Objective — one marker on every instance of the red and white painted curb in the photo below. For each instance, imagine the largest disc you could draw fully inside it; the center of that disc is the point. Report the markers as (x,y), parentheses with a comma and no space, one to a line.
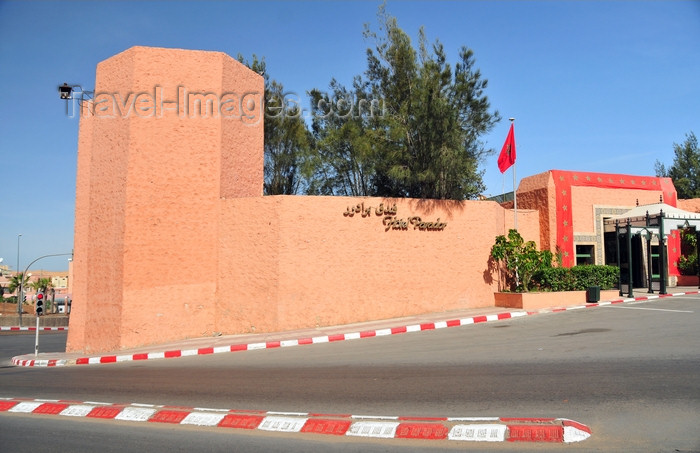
(31,329)
(480,429)
(268,344)
(18,361)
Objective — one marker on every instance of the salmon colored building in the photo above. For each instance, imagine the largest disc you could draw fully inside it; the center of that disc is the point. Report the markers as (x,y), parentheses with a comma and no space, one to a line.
(573,207)
(579,213)
(170,177)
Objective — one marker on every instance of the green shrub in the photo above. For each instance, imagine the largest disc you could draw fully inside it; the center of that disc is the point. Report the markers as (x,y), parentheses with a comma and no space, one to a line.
(577,278)
(688,265)
(688,261)
(554,279)
(520,258)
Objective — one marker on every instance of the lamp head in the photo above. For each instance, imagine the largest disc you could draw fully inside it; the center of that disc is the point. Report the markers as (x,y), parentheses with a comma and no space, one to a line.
(65,91)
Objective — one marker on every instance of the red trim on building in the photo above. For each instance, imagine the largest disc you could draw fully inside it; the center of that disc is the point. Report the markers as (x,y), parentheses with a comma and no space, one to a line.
(565,180)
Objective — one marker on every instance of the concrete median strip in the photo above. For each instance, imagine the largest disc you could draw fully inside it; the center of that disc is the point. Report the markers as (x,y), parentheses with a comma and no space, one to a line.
(29,360)
(465,429)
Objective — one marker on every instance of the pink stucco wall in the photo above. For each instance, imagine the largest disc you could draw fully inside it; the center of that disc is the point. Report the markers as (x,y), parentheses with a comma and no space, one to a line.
(173,238)
(691,205)
(538,192)
(79,265)
(291,261)
(586,199)
(151,171)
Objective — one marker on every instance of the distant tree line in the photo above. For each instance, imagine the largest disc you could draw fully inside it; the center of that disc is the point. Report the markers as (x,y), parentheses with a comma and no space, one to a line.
(685,170)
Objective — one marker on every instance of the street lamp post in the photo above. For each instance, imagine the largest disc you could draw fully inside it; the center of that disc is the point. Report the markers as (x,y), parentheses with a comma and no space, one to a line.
(19,291)
(36,344)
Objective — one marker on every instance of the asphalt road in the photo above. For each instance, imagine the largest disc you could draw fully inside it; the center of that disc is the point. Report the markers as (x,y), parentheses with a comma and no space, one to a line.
(628,371)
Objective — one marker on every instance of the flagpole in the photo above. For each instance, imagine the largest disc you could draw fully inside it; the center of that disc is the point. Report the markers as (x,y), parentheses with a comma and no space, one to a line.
(515,195)
(503,200)
(506,159)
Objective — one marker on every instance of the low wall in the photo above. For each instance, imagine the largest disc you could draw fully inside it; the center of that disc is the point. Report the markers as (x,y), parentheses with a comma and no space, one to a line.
(687,280)
(537,301)
(289,262)
(29,320)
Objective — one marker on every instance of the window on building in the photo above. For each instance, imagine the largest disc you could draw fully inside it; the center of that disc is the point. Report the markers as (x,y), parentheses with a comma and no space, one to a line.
(585,254)
(655,271)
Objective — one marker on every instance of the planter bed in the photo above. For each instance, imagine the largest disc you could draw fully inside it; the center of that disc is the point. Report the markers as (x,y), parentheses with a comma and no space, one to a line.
(687,280)
(535,301)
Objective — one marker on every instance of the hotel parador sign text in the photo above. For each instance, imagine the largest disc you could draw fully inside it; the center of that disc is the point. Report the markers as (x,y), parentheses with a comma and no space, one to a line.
(390,221)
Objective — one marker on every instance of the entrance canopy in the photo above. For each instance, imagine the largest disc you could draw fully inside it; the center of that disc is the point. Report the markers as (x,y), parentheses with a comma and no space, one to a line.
(650,220)
(656,215)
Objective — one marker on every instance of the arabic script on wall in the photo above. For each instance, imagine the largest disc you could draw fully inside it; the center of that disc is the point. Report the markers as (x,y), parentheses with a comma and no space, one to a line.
(391,221)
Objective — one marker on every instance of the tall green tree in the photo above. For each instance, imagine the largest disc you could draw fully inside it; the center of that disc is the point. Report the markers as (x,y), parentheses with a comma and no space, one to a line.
(685,171)
(424,139)
(343,126)
(287,140)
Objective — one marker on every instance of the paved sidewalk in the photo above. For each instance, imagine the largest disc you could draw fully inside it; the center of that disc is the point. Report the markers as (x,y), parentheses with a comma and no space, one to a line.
(253,341)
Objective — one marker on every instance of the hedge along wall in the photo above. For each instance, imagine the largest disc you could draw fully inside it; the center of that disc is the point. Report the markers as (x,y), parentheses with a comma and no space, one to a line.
(289,262)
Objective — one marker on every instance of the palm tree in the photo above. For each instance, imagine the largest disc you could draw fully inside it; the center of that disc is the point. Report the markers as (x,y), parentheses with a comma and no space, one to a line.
(41,284)
(16,281)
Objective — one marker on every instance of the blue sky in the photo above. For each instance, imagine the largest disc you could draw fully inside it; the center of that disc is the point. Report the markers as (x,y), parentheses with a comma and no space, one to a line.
(594,86)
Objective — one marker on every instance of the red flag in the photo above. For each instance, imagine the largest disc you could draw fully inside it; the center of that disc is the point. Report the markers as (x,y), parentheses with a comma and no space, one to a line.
(507,156)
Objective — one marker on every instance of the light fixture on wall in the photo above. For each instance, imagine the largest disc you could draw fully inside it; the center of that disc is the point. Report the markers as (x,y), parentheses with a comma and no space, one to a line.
(70,92)
(66,92)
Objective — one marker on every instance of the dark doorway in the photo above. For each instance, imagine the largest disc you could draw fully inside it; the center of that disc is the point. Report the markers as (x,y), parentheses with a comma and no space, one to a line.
(637,258)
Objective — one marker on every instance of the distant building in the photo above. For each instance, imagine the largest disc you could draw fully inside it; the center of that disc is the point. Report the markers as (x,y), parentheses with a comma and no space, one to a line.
(59,281)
